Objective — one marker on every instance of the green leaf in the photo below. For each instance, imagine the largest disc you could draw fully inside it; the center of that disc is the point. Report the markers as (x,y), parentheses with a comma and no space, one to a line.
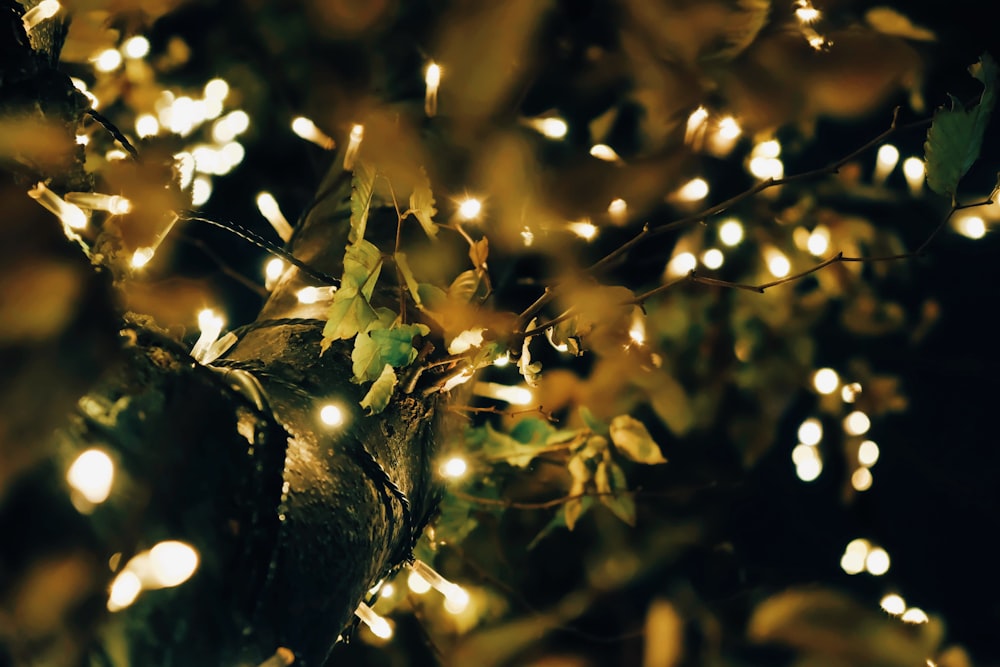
(573,510)
(559,521)
(381,390)
(633,440)
(380,346)
(956,134)
(422,205)
(592,422)
(502,447)
(362,188)
(350,312)
(366,360)
(362,266)
(530,371)
(467,286)
(411,282)
(610,482)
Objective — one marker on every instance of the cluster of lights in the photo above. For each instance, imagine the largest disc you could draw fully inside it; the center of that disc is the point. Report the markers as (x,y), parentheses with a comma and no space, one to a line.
(816,242)
(166,565)
(807,16)
(764,161)
(72,216)
(826,382)
(860,555)
(805,455)
(894,605)
(718,135)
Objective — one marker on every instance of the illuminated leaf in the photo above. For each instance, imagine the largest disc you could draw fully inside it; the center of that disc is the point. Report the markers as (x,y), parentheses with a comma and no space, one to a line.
(411,282)
(380,346)
(563,337)
(466,340)
(528,370)
(611,484)
(422,205)
(467,286)
(497,446)
(362,187)
(956,134)
(350,311)
(592,422)
(479,251)
(633,440)
(380,392)
(830,625)
(362,265)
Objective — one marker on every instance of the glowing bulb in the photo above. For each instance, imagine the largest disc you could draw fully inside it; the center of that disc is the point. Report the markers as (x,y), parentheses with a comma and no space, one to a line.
(617,209)
(268,207)
(767,149)
(694,190)
(306,129)
(141,257)
(201,190)
(868,453)
(273,271)
(91,475)
(810,431)
(353,145)
(432,77)
(114,204)
(501,392)
(971,226)
(849,392)
(819,241)
(712,258)
(777,263)
(82,139)
(331,415)
(124,590)
(44,10)
(454,467)
(456,599)
(470,208)
(378,625)
(135,47)
(861,479)
(809,470)
(801,454)
(502,360)
(893,604)
(682,264)
(885,161)
(552,127)
(913,170)
(605,153)
(211,326)
(172,563)
(852,563)
(877,561)
(417,584)
(696,123)
(729,129)
(216,89)
(146,125)
(806,13)
(826,381)
(231,126)
(184,164)
(915,615)
(637,331)
(71,216)
(766,167)
(387,591)
(108,60)
(857,423)
(584,229)
(731,232)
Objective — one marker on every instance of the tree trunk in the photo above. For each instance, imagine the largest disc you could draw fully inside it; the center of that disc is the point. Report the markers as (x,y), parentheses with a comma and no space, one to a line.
(294,520)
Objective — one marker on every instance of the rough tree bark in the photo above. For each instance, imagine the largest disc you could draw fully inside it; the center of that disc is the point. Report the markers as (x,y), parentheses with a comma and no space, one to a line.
(293,520)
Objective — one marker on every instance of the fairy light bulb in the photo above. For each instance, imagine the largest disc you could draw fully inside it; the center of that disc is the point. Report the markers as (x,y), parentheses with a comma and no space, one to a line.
(682,264)
(135,47)
(417,584)
(893,604)
(268,207)
(868,453)
(819,241)
(171,563)
(353,146)
(107,60)
(777,263)
(71,216)
(124,590)
(806,13)
(584,229)
(810,431)
(857,423)
(618,210)
(731,232)
(877,561)
(826,381)
(605,153)
(885,161)
(273,270)
(695,129)
(331,415)
(914,171)
(432,78)
(694,190)
(470,208)
(211,327)
(862,479)
(552,127)
(914,615)
(454,467)
(306,129)
(91,475)
(378,625)
(283,657)
(713,258)
(113,204)
(43,11)
(971,226)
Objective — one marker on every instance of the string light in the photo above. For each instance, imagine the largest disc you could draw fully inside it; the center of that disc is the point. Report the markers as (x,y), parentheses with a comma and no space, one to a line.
(135,47)
(853,560)
(469,208)
(306,129)
(310,295)
(141,257)
(971,226)
(862,479)
(857,423)
(915,615)
(849,392)
(913,170)
(273,270)
(826,381)
(210,325)
(268,207)
(91,475)
(810,431)
(232,125)
(810,467)
(819,241)
(378,625)
(694,190)
(877,561)
(695,130)
(44,10)
(171,563)
(712,258)
(146,125)
(551,127)
(605,153)
(637,329)
(108,60)
(766,167)
(777,262)
(618,209)
(456,598)
(584,229)
(432,77)
(805,12)
(868,453)
(893,604)
(71,216)
(682,264)
(331,415)
(501,392)
(417,584)
(216,89)
(885,161)
(731,232)
(115,155)
(353,146)
(114,204)
(454,467)
(124,590)
(502,360)
(201,190)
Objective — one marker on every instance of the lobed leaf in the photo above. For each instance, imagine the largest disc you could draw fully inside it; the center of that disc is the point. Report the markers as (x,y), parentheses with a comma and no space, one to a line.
(380,392)
(362,189)
(422,205)
(633,440)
